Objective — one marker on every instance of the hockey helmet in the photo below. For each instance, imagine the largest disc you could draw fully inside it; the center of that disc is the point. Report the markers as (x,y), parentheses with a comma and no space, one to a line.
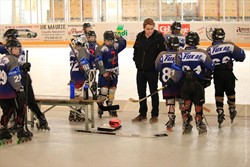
(79,40)
(218,34)
(172,43)
(11,33)
(109,35)
(91,33)
(86,25)
(175,26)
(115,122)
(192,38)
(13,43)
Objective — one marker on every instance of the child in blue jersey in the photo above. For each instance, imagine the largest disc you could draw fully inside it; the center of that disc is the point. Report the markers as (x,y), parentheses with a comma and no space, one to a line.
(176,31)
(223,54)
(92,45)
(107,82)
(163,64)
(79,73)
(191,66)
(11,34)
(12,96)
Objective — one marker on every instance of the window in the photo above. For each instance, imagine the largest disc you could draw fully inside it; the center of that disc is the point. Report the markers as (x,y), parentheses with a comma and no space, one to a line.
(130,10)
(171,10)
(191,10)
(149,8)
(58,11)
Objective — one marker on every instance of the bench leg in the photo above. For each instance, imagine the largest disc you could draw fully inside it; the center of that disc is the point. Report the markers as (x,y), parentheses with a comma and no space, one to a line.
(92,115)
(85,106)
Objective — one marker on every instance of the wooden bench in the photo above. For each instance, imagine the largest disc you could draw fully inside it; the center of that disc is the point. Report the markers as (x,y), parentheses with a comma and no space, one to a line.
(54,101)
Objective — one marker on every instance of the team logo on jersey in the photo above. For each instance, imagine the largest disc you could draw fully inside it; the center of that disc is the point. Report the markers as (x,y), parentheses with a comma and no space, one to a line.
(120,30)
(14,71)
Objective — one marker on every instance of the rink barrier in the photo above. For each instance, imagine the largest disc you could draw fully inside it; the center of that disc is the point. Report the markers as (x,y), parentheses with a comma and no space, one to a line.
(129,43)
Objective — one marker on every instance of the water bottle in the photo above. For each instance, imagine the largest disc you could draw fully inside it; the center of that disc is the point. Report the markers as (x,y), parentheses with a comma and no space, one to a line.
(86,92)
(72,89)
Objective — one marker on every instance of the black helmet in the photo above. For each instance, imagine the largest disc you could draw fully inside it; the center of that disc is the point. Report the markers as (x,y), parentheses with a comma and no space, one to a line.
(175,26)
(13,43)
(172,43)
(11,33)
(85,25)
(109,35)
(218,34)
(91,33)
(192,38)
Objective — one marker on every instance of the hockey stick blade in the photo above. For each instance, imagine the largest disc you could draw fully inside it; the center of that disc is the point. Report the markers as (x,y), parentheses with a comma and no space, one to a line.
(133,100)
(206,109)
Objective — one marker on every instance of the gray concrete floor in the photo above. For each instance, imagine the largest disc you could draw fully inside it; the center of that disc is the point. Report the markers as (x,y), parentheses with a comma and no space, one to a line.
(62,146)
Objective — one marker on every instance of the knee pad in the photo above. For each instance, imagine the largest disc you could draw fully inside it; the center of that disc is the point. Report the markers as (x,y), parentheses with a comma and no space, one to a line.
(104,92)
(112,93)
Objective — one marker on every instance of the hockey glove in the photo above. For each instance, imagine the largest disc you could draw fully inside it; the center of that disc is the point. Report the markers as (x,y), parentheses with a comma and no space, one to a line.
(112,75)
(170,83)
(207,78)
(26,67)
(20,96)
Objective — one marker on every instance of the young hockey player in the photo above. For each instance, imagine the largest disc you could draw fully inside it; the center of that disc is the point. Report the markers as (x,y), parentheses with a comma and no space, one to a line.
(191,65)
(163,64)
(107,82)
(223,54)
(26,82)
(92,44)
(176,31)
(86,28)
(76,73)
(81,65)
(12,96)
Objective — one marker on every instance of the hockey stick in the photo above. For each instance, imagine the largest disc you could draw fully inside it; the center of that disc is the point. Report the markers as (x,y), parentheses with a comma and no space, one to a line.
(103,108)
(27,94)
(140,100)
(123,134)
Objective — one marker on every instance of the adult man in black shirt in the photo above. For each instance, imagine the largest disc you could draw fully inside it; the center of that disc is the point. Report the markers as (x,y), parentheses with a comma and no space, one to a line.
(149,43)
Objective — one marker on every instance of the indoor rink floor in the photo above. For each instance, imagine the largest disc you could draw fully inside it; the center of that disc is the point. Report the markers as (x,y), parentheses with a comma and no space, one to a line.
(135,144)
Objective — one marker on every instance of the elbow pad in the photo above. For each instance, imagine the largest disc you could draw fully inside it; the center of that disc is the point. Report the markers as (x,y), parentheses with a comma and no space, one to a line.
(104,49)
